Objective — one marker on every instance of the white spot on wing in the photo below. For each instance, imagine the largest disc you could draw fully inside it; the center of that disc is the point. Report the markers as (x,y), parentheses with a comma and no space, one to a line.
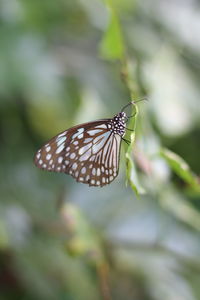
(97,139)
(101,144)
(94,131)
(92,158)
(48,148)
(48,157)
(86,155)
(101,126)
(83,171)
(74,166)
(60,148)
(86,140)
(116,159)
(84,149)
(79,131)
(72,155)
(60,159)
(98,172)
(61,140)
(106,152)
(61,134)
(80,136)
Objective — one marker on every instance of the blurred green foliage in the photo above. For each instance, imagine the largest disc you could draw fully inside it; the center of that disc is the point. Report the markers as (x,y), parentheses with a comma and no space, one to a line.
(66,62)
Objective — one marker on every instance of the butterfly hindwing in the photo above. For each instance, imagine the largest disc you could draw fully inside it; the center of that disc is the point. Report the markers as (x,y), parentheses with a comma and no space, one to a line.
(89,152)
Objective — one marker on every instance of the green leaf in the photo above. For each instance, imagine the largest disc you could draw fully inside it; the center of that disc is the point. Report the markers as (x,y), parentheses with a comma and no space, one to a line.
(111,46)
(131,173)
(181,168)
(174,202)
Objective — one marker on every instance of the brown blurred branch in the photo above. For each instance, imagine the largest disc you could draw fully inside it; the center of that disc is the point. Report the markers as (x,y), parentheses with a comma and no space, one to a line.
(103,274)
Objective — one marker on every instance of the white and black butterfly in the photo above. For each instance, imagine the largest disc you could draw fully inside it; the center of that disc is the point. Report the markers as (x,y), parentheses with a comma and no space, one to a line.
(88,152)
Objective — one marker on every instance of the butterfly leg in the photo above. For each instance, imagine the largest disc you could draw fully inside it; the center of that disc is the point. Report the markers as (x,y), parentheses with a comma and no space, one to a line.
(127,141)
(129,129)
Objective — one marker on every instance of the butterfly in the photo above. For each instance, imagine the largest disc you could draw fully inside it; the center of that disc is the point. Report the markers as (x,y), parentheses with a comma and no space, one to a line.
(89,152)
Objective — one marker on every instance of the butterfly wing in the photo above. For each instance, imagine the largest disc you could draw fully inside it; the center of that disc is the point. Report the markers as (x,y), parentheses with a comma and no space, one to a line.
(88,152)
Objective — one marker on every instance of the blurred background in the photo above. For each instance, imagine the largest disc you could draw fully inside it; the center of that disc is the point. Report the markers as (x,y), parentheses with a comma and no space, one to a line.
(58,67)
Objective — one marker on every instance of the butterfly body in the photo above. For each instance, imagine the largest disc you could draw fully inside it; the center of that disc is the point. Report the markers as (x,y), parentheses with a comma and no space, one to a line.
(88,152)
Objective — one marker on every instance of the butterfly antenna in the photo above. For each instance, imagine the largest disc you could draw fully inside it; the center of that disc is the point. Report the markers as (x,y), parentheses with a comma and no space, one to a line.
(133,103)
(142,99)
(130,103)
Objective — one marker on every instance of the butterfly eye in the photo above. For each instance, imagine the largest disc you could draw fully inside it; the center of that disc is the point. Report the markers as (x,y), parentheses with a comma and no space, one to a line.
(88,152)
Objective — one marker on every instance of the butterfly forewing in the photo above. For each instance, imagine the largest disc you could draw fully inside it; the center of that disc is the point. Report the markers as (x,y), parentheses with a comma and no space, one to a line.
(88,152)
